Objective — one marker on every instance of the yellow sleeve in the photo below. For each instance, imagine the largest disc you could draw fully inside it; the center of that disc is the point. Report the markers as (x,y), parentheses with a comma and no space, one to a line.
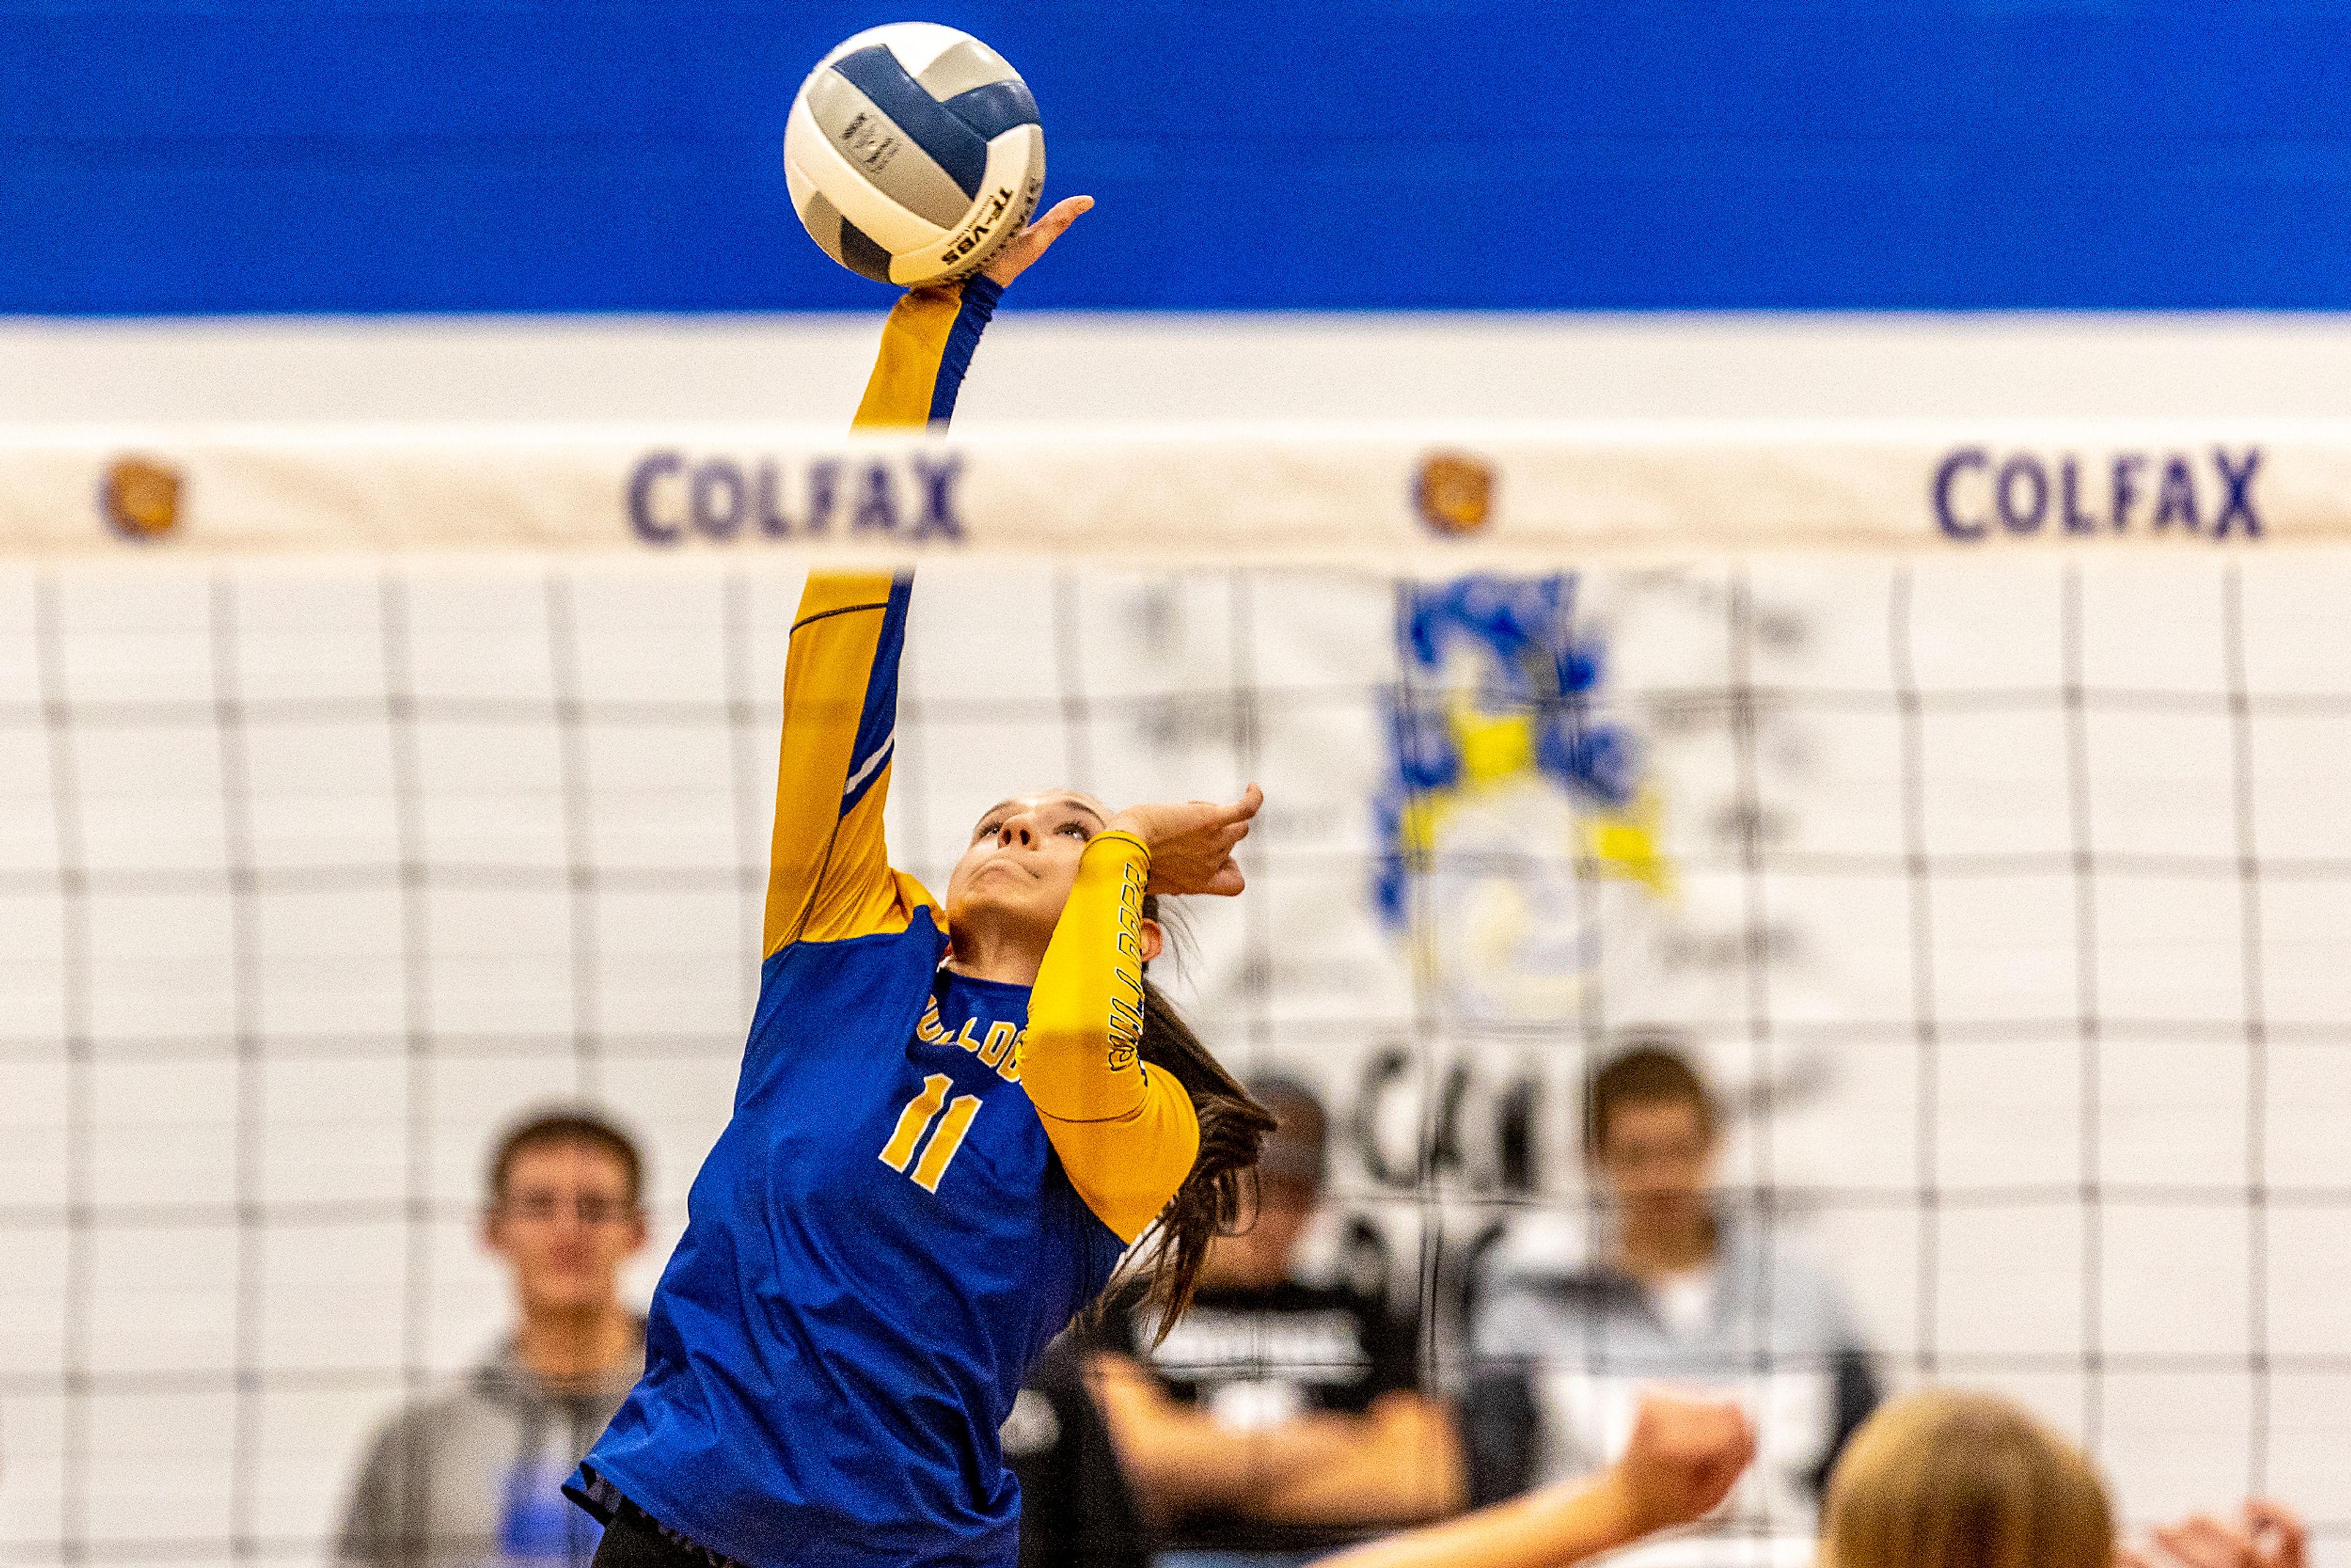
(1126,1134)
(925,349)
(828,871)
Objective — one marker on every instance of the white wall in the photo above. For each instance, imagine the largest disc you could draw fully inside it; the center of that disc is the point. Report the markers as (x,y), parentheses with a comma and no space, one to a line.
(1066,367)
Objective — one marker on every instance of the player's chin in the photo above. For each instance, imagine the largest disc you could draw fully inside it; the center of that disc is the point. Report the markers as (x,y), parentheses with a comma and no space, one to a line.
(1008,902)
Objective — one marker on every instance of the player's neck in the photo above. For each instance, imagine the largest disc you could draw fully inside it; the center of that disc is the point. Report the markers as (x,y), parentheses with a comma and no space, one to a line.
(575,1345)
(979,953)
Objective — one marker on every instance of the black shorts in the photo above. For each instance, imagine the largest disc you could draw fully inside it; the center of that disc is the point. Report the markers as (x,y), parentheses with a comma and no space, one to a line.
(634,1539)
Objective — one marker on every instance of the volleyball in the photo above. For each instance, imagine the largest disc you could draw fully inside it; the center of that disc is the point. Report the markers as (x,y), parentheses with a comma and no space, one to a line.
(914,151)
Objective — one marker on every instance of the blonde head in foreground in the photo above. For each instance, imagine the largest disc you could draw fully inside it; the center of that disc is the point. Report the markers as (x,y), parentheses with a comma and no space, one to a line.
(1945,1478)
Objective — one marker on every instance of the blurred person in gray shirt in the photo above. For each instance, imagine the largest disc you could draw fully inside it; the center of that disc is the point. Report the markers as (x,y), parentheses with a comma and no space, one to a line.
(471,1477)
(1668,1283)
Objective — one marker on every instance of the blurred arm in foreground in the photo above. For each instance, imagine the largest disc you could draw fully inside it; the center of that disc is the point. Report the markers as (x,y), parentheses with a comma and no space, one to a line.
(1680,1464)
(2264,1536)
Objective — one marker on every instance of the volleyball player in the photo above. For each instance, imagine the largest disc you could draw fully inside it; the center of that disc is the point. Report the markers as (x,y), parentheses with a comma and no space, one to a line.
(950,1124)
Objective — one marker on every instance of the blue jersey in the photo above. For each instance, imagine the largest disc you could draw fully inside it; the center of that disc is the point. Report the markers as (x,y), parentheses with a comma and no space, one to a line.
(889,1232)
(881,1244)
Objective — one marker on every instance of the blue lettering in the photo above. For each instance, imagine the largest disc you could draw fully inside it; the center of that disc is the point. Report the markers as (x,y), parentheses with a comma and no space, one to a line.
(2016,519)
(2239,501)
(877,502)
(1945,475)
(2068,507)
(767,491)
(713,477)
(824,490)
(2175,498)
(651,467)
(2125,486)
(938,497)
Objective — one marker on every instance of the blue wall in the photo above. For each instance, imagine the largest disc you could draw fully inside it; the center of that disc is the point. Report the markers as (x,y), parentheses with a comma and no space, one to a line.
(366,155)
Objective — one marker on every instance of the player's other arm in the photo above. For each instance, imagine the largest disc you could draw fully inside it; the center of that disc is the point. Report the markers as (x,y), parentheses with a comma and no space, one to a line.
(1127,1133)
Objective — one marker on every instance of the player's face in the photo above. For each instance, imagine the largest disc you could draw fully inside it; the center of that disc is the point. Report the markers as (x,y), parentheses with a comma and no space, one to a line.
(565,1226)
(1658,1161)
(1016,873)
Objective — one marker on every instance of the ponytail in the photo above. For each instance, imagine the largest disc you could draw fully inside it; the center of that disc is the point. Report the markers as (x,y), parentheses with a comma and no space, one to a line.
(1212,1199)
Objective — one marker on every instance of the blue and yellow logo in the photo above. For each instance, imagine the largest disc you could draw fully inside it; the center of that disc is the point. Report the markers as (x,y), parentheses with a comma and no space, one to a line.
(1499,750)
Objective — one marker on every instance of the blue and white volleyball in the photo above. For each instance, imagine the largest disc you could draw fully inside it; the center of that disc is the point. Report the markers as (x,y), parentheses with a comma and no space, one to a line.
(913,152)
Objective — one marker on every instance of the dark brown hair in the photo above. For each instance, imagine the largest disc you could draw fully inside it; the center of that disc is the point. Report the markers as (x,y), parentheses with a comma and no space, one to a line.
(1214,1196)
(566,1126)
(1649,1071)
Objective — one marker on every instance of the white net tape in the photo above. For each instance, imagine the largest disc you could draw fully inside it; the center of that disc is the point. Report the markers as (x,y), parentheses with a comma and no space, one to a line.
(1426,500)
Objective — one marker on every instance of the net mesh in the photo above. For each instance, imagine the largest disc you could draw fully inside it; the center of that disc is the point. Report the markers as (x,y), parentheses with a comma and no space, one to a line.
(2007,902)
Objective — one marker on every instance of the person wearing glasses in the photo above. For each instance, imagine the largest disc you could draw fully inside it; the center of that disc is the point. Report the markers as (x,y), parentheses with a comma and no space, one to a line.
(472,1475)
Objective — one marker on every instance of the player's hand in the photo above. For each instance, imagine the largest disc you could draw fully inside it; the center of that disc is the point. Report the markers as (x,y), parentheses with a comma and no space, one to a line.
(1025,247)
(1685,1456)
(2265,1535)
(1192,843)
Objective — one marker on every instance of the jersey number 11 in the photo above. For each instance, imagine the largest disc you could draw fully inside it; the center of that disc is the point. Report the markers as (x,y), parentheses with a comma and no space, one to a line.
(917,1118)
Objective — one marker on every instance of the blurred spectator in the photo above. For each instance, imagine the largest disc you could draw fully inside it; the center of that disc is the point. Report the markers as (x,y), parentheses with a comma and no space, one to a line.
(1944,1479)
(1673,1289)
(1278,1419)
(1077,1510)
(473,1476)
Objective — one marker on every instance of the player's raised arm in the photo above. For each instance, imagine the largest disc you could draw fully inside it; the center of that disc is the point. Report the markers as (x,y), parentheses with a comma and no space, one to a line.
(828,871)
(927,345)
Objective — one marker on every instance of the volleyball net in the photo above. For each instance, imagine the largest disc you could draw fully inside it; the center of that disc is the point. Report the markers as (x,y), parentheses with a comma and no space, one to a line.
(1969,804)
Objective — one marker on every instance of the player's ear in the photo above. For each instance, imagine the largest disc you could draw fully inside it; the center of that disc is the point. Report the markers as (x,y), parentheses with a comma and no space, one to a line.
(1154,940)
(494,1230)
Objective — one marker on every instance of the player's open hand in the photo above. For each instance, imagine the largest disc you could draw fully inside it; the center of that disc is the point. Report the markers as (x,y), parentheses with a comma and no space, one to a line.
(1192,842)
(2266,1536)
(1025,247)
(1685,1456)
